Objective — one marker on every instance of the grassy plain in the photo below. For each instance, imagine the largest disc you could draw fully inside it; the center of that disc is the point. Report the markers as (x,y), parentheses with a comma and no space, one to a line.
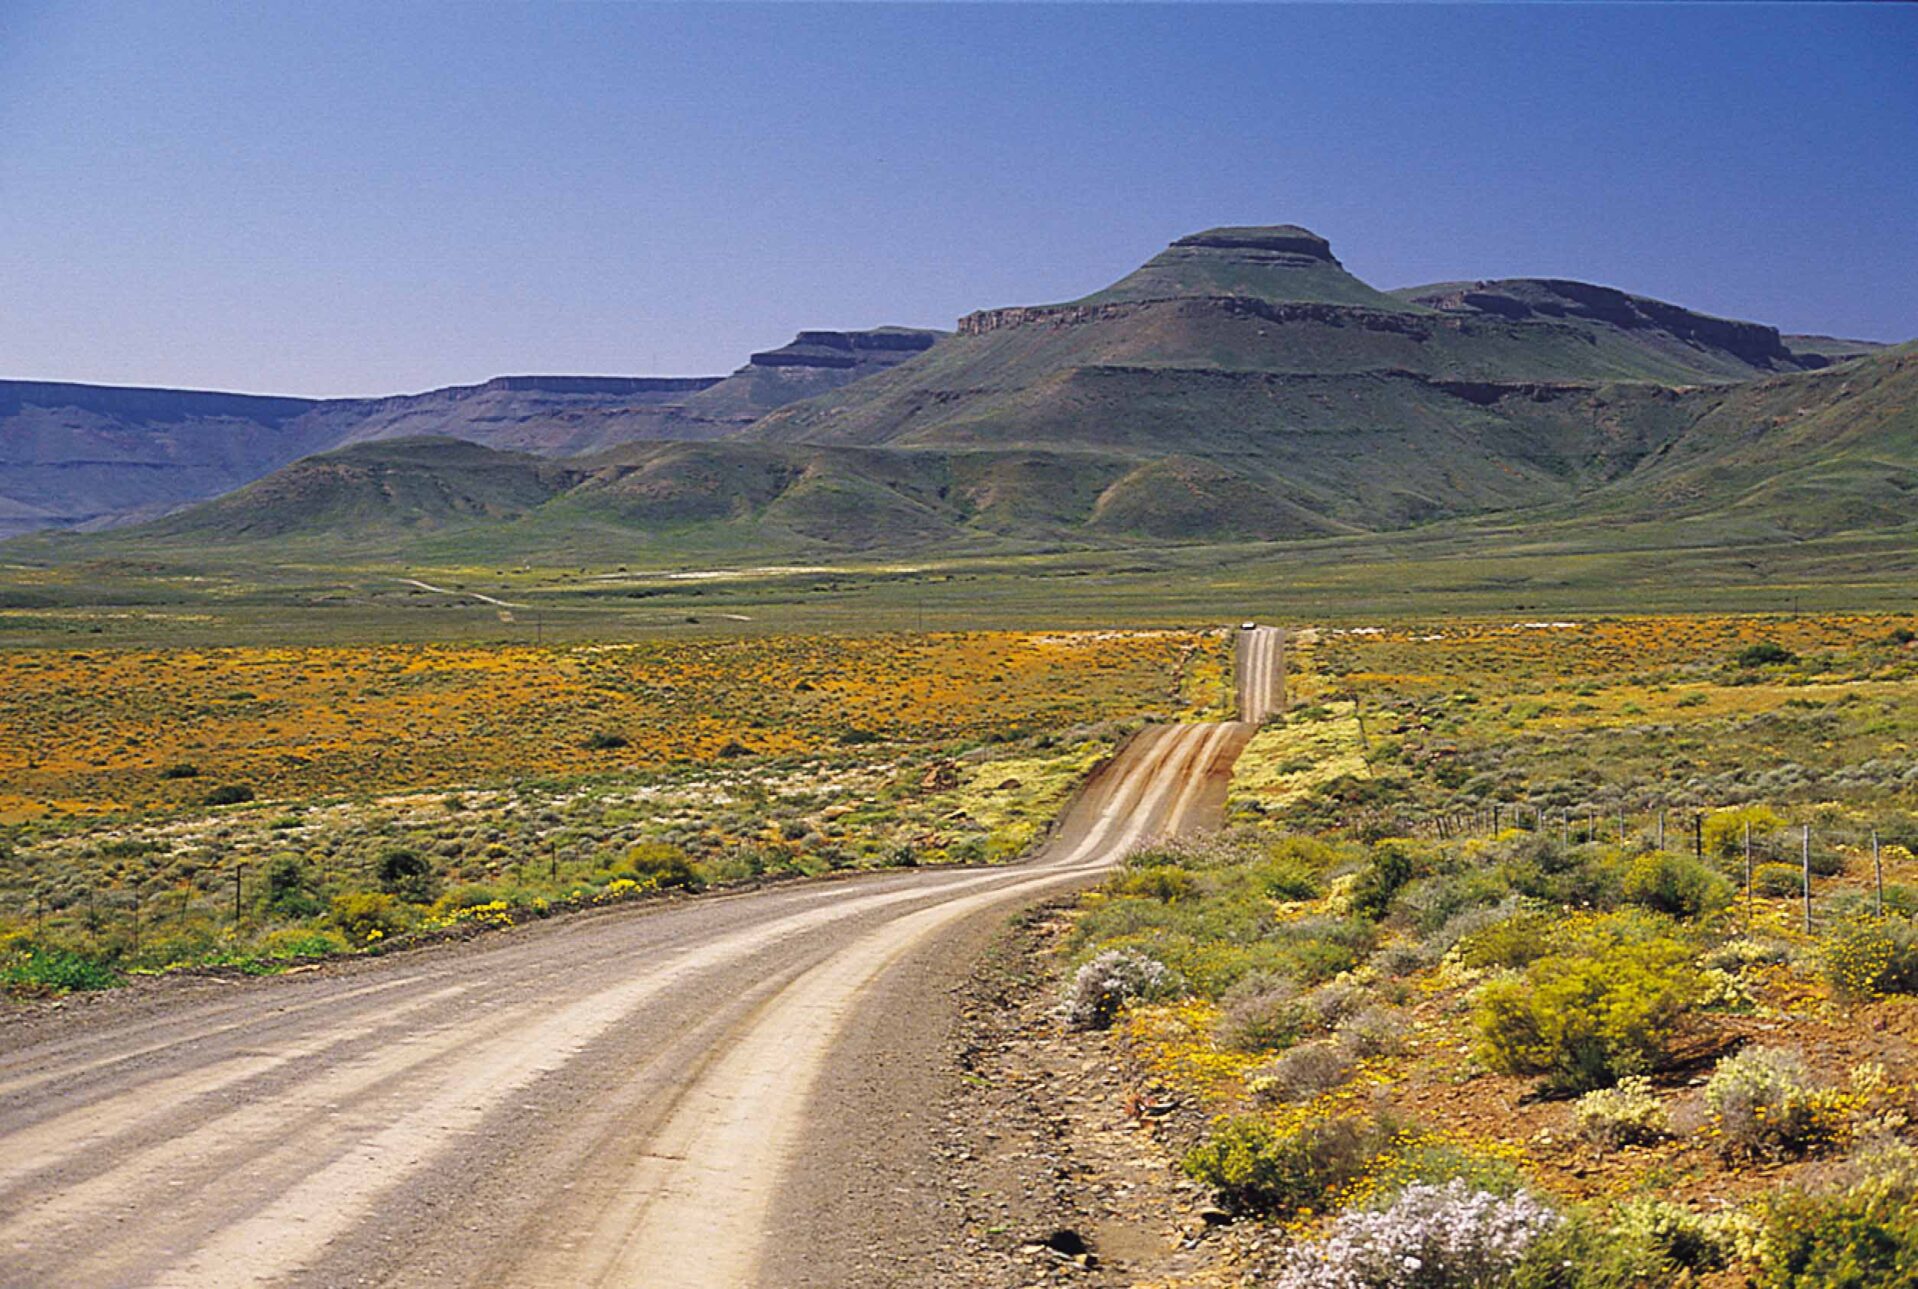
(179,805)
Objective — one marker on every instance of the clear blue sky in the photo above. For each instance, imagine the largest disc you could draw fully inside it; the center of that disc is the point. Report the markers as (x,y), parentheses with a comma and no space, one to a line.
(343,199)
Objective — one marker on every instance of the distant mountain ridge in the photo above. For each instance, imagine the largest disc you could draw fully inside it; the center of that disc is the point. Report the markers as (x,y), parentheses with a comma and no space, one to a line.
(83,456)
(1240,385)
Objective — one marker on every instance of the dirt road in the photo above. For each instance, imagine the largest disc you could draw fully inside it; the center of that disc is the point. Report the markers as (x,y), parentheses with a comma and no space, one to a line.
(1261,673)
(711,1092)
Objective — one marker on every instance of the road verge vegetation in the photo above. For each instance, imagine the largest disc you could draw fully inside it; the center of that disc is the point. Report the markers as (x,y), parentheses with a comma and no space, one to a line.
(1493,1002)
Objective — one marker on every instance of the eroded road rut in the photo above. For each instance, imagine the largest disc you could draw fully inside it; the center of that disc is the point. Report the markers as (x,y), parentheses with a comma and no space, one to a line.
(693,1094)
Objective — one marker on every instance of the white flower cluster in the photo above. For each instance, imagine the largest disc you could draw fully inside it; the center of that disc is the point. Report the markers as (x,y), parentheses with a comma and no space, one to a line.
(1110,981)
(1431,1237)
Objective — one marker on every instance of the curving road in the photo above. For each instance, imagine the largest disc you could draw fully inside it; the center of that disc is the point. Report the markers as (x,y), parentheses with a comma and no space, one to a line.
(695,1093)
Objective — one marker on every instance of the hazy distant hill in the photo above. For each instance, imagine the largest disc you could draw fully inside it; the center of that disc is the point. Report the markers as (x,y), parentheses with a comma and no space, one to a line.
(90,455)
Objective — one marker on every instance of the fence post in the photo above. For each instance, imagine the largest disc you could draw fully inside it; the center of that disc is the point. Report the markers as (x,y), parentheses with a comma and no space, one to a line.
(1698,837)
(1806,857)
(1748,873)
(136,919)
(1878,872)
(237,870)
(1661,830)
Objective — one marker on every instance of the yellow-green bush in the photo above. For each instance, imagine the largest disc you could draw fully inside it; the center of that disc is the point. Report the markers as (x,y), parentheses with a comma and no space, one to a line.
(1257,1166)
(366,916)
(1674,885)
(1865,959)
(1602,1005)
(1724,830)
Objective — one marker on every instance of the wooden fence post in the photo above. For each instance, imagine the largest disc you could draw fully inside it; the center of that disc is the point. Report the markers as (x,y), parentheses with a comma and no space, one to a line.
(1806,856)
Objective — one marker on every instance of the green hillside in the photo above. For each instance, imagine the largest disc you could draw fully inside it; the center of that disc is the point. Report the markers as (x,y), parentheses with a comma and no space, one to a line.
(1240,387)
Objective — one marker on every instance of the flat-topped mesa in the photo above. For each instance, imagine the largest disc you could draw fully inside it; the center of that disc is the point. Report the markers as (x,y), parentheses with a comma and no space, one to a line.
(1274,263)
(1521,299)
(843,349)
(595,384)
(1276,239)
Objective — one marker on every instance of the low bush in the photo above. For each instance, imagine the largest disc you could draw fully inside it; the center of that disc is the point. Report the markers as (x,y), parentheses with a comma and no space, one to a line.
(1163,882)
(1626,1114)
(1261,1013)
(1765,653)
(289,889)
(1105,985)
(1391,868)
(1602,1005)
(1724,830)
(1685,1239)
(1376,1031)
(300,942)
(1778,881)
(1853,1240)
(1256,1166)
(1765,1104)
(1871,958)
(409,875)
(668,866)
(35,970)
(228,794)
(1429,1236)
(366,916)
(1507,937)
(1303,1072)
(1674,885)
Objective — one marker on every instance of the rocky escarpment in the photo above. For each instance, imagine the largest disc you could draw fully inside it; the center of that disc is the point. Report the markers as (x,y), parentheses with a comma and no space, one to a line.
(592,385)
(986,321)
(841,350)
(1522,299)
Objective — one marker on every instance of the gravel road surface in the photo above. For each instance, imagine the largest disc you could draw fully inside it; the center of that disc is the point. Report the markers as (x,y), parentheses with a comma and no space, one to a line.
(704,1092)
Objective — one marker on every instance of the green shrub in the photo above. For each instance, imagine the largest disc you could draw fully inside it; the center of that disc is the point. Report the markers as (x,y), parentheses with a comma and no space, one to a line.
(1390,870)
(289,889)
(1287,879)
(1162,882)
(1585,1252)
(45,969)
(1869,958)
(1674,885)
(181,770)
(409,875)
(228,794)
(1765,654)
(667,865)
(1865,1241)
(1778,880)
(301,942)
(1724,830)
(1511,942)
(1257,1167)
(1686,1240)
(365,916)
(605,741)
(1602,1005)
